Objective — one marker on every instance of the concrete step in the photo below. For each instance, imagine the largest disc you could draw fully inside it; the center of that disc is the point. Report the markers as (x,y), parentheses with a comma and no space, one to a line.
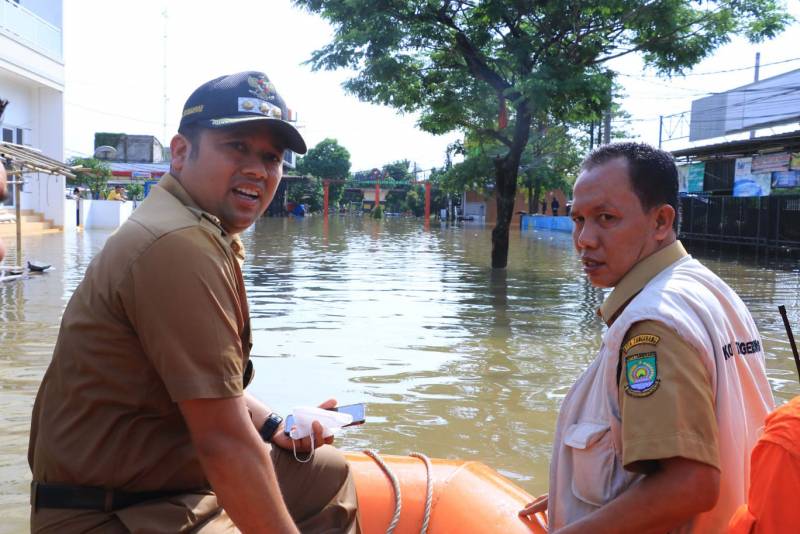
(32,223)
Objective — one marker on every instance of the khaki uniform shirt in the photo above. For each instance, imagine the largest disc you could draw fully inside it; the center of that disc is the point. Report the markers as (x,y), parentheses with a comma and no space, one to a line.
(160,317)
(674,416)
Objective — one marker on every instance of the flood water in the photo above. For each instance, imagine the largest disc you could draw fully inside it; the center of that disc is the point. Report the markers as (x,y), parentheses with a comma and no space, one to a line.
(453,360)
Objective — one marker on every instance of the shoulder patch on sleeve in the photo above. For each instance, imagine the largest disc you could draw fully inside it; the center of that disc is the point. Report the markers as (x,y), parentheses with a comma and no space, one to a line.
(641,373)
(641,339)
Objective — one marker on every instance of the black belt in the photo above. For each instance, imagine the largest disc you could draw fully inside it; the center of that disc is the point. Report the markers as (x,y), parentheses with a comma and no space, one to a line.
(91,498)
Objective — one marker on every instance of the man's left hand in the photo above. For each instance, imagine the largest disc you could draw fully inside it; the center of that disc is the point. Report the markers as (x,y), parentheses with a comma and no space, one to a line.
(304,445)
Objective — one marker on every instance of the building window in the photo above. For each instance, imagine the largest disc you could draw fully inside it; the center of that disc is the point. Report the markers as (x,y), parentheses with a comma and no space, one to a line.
(13,134)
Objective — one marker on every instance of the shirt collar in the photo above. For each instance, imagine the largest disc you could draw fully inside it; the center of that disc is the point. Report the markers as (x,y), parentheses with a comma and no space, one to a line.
(638,277)
(171,184)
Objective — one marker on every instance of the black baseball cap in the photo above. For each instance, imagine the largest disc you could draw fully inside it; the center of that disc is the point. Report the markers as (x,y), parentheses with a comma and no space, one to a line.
(237,98)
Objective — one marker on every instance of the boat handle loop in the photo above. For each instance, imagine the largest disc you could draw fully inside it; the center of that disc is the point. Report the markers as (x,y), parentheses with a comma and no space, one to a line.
(398,499)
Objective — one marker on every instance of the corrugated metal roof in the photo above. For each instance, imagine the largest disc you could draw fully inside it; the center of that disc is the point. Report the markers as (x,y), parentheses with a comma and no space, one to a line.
(788,140)
(119,166)
(27,159)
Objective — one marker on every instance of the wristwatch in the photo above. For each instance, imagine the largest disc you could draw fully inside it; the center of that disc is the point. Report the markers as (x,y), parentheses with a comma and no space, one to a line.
(270,426)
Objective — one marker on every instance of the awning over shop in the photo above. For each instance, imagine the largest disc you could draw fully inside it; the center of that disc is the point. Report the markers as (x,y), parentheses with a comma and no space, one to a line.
(26,159)
(789,141)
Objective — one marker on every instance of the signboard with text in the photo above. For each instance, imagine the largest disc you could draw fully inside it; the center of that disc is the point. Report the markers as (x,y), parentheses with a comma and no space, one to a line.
(779,161)
(786,183)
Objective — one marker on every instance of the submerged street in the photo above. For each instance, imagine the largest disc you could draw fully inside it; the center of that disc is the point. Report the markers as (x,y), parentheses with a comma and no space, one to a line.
(452,359)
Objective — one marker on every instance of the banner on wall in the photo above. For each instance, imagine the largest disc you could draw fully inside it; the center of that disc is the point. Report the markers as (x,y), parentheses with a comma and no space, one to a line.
(743,167)
(786,183)
(777,162)
(747,184)
(794,162)
(683,175)
(695,177)
(752,185)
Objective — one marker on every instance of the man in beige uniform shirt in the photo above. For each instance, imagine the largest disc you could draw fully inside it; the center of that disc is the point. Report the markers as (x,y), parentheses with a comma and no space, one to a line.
(141,423)
(655,436)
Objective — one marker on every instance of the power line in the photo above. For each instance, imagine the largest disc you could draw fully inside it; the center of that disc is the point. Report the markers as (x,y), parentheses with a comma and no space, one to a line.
(102,112)
(716,71)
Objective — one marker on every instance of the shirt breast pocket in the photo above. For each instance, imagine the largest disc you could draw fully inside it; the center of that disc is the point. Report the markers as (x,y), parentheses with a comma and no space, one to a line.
(597,477)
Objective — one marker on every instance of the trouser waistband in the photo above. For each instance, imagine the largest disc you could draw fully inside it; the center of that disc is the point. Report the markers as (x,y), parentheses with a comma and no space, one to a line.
(45,495)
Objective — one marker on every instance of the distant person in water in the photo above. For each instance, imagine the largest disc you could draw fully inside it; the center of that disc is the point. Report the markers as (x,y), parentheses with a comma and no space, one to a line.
(554,206)
(118,193)
(656,434)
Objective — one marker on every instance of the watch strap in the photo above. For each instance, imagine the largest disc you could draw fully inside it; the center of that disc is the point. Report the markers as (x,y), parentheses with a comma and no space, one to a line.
(270,426)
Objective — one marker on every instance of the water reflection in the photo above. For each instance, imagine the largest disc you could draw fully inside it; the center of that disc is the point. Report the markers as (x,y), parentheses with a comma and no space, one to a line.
(454,359)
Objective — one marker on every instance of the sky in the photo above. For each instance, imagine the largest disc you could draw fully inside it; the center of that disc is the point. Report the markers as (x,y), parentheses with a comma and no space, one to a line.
(120,66)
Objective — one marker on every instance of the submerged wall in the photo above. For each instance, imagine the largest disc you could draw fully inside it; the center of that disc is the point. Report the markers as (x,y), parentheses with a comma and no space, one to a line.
(546,222)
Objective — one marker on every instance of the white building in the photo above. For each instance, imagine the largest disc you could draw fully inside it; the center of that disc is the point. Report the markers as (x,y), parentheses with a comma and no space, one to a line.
(32,80)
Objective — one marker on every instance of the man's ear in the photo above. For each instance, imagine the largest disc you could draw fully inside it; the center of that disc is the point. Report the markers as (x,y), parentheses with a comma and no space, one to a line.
(180,149)
(664,217)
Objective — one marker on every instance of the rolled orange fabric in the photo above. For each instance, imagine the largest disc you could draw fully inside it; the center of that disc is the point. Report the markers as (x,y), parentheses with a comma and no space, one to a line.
(774,477)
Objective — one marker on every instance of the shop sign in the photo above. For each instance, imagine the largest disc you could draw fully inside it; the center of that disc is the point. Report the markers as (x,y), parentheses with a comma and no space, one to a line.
(779,161)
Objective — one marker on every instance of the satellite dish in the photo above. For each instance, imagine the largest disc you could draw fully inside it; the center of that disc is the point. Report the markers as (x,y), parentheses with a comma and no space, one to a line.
(105,152)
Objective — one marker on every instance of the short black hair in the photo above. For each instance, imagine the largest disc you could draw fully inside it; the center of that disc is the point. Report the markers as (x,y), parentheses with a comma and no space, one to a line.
(653,175)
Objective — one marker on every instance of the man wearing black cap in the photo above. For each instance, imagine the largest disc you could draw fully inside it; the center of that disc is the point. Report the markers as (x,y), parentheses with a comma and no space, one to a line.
(141,423)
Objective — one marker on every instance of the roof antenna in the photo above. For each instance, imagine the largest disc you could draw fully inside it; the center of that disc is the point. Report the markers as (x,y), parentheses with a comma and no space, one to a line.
(782,310)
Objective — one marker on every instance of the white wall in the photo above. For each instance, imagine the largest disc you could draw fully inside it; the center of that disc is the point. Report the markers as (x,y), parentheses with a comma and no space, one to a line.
(49,10)
(30,64)
(103,213)
(33,85)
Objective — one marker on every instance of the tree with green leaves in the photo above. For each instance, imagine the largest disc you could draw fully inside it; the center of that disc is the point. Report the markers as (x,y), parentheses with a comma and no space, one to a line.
(328,160)
(91,172)
(398,170)
(492,67)
(550,161)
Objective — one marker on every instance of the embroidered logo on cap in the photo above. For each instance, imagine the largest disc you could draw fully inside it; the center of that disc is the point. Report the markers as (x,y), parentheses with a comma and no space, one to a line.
(254,105)
(192,110)
(261,87)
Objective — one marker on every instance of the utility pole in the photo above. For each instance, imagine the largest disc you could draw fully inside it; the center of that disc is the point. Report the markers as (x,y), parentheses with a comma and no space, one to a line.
(755,79)
(164,75)
(660,129)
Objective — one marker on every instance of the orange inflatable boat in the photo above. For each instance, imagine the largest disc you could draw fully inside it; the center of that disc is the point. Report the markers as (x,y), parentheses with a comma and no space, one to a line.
(465,497)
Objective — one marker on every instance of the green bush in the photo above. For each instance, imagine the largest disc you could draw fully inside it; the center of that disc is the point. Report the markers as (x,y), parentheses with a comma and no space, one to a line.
(377,213)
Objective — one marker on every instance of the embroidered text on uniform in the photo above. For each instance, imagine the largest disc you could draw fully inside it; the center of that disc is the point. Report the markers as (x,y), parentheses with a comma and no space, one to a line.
(742,347)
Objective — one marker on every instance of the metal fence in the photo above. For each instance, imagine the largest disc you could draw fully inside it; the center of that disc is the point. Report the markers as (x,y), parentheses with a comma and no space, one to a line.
(763,222)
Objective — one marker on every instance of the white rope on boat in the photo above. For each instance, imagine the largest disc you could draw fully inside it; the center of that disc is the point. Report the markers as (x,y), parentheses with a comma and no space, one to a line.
(398,499)
(429,491)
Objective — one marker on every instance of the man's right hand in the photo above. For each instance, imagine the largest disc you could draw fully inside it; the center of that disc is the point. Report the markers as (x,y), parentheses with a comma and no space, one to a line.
(538,505)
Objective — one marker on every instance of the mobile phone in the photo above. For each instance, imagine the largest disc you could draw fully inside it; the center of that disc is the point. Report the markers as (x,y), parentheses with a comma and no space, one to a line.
(358,411)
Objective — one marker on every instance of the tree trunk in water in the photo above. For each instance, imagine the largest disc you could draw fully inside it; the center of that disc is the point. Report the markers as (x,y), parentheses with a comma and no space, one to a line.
(505,192)
(537,188)
(506,170)
(531,211)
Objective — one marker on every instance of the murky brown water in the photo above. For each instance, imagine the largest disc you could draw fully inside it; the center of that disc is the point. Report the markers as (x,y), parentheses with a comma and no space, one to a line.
(452,359)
